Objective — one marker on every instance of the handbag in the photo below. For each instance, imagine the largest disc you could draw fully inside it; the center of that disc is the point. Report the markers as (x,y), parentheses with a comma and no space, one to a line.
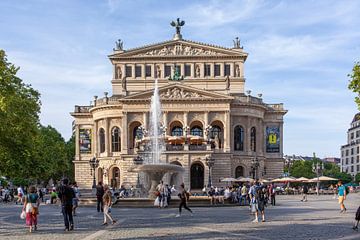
(23,214)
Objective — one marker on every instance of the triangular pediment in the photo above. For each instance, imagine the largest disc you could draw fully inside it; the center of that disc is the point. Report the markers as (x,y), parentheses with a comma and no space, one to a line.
(179,91)
(178,48)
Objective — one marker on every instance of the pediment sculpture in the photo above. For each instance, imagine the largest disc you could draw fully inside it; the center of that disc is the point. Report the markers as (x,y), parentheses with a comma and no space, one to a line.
(179,93)
(179,50)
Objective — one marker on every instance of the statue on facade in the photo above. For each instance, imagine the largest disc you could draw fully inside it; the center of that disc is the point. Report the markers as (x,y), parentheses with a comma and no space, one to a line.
(227,79)
(178,24)
(118,74)
(217,142)
(237,43)
(237,71)
(123,84)
(118,45)
(197,71)
(158,71)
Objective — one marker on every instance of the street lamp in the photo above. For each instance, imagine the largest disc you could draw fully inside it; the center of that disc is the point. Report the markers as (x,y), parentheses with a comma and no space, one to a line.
(318,169)
(137,161)
(254,166)
(94,163)
(210,163)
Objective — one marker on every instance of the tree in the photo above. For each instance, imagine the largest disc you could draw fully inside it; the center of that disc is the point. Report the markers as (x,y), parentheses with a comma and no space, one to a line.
(357,178)
(354,83)
(19,119)
(302,169)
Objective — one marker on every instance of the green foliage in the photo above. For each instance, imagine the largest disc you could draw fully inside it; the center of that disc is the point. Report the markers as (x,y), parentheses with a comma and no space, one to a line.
(19,118)
(354,83)
(357,178)
(302,169)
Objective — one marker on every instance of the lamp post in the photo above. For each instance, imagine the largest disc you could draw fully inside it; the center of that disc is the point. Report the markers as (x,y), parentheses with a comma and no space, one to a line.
(254,166)
(137,161)
(210,163)
(94,163)
(318,169)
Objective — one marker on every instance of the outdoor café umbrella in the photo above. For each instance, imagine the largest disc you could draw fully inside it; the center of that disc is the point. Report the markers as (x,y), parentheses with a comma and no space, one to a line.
(324,179)
(230,179)
(264,181)
(302,179)
(244,179)
(285,179)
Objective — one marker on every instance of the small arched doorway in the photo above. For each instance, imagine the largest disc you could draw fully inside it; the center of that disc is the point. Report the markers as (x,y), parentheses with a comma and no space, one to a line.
(115,178)
(197,176)
(239,171)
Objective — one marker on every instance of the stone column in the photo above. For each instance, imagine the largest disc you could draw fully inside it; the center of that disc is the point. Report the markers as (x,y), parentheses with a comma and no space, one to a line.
(153,71)
(165,121)
(124,133)
(247,136)
(206,122)
(114,72)
(193,70)
(227,132)
(143,66)
(232,69)
(212,71)
(95,147)
(241,65)
(202,74)
(222,69)
(107,137)
(182,70)
(77,147)
(133,70)
(186,146)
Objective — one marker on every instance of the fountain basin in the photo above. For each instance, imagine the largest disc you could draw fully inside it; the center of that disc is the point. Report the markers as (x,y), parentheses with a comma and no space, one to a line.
(156,172)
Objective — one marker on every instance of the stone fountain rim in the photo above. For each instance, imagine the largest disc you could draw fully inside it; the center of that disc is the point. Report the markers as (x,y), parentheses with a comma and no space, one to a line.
(154,167)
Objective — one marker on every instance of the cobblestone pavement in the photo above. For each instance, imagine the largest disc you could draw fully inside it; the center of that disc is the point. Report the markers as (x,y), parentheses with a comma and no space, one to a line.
(319,218)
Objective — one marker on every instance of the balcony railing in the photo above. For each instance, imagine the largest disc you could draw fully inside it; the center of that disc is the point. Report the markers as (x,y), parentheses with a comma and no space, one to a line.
(82,109)
(197,147)
(170,147)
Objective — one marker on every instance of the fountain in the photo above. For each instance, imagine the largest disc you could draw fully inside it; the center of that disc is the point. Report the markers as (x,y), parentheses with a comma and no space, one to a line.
(153,167)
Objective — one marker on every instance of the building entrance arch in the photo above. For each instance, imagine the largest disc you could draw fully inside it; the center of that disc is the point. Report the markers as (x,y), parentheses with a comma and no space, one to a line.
(197,176)
(239,171)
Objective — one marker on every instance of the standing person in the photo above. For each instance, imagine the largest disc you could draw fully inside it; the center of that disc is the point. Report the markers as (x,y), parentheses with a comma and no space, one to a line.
(342,196)
(184,197)
(243,194)
(107,201)
(31,208)
(66,195)
(160,188)
(260,200)
(76,198)
(41,194)
(99,196)
(53,196)
(20,194)
(305,191)
(272,193)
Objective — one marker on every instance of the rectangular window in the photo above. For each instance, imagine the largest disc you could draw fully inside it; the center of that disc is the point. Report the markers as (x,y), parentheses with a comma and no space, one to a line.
(352,160)
(352,151)
(352,135)
(138,71)
(217,70)
(207,70)
(357,150)
(347,152)
(227,70)
(342,153)
(347,161)
(357,168)
(147,71)
(352,168)
(357,134)
(357,159)
(128,71)
(187,70)
(167,71)
(178,69)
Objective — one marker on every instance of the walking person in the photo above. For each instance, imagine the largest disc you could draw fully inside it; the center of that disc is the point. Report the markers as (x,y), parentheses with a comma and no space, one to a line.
(31,208)
(66,195)
(357,219)
(272,193)
(342,196)
(76,198)
(184,197)
(305,191)
(107,201)
(99,196)
(161,188)
(20,194)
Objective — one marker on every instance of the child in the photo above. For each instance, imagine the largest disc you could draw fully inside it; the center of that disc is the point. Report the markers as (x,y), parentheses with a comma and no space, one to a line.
(357,219)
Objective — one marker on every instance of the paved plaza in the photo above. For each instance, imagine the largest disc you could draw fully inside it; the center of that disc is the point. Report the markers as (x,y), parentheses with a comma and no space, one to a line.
(319,218)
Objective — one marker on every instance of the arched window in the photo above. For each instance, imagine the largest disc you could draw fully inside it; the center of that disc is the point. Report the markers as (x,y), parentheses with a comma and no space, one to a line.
(138,133)
(239,171)
(196,131)
(253,139)
(115,140)
(102,140)
(176,131)
(239,138)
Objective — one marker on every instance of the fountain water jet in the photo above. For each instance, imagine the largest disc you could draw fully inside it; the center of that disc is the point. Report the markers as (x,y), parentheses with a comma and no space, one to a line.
(153,167)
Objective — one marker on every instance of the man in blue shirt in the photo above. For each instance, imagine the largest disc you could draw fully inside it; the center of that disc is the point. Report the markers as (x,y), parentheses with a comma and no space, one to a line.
(342,196)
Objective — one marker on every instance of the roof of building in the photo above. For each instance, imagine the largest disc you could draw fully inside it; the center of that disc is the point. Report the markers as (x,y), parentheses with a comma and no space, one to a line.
(356,117)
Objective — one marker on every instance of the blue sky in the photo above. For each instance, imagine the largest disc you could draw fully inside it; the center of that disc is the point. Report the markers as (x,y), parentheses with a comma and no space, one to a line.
(300,53)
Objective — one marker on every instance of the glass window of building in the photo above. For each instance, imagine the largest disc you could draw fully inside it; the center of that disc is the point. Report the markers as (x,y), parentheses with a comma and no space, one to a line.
(217,70)
(196,131)
(352,168)
(138,71)
(357,134)
(147,71)
(187,70)
(357,168)
(207,70)
(352,135)
(115,140)
(357,159)
(253,139)
(357,150)
(342,153)
(347,152)
(352,160)
(167,71)
(102,140)
(128,71)
(352,151)
(346,161)
(227,70)
(239,138)
(177,131)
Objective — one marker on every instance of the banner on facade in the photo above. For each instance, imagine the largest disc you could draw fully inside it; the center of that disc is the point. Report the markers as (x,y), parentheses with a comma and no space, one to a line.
(85,140)
(272,139)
